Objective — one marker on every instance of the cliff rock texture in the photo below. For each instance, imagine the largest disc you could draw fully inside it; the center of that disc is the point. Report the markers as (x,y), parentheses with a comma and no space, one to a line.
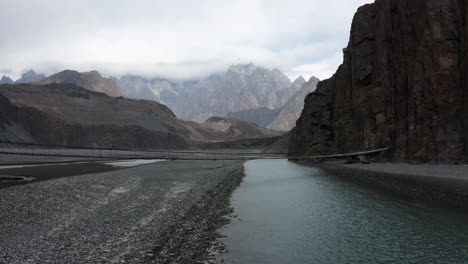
(402,85)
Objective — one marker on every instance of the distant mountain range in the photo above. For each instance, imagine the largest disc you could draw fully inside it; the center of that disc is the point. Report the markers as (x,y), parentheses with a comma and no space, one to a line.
(246,92)
(67,114)
(27,77)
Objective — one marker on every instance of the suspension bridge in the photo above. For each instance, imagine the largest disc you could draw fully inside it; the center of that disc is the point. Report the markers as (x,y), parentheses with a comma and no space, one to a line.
(11,152)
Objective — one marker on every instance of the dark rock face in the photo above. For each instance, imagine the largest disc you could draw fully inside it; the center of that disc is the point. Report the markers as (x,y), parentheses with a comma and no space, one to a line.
(402,85)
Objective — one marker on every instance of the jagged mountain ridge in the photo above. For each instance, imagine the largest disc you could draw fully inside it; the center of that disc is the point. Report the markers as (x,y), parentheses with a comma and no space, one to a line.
(6,80)
(241,88)
(402,85)
(27,77)
(92,80)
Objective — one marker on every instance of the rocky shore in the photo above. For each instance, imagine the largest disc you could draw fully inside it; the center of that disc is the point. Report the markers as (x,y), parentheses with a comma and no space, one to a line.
(166,212)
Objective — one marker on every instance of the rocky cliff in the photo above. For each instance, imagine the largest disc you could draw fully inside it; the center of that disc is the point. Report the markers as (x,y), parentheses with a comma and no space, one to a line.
(402,84)
(90,80)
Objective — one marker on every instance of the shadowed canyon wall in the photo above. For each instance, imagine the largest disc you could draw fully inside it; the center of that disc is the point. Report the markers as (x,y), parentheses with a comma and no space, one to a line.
(402,85)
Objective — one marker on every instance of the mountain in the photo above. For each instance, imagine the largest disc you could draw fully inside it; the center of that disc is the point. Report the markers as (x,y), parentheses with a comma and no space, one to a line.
(159,90)
(66,114)
(299,82)
(242,87)
(6,80)
(90,80)
(286,119)
(402,85)
(30,77)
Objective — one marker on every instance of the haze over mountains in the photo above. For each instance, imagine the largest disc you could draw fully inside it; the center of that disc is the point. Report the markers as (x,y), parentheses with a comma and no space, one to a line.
(265,97)
(247,92)
(27,77)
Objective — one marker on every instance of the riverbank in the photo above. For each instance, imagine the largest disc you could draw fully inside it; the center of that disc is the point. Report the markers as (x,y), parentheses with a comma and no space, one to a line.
(166,212)
(444,184)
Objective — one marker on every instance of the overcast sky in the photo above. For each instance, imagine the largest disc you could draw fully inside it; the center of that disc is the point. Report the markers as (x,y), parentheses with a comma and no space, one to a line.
(178,39)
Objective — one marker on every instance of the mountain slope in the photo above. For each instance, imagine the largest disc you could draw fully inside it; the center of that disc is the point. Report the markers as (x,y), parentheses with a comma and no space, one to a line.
(286,119)
(66,114)
(90,80)
(402,85)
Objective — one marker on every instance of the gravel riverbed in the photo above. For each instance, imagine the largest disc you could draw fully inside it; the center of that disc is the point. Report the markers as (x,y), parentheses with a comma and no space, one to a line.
(166,212)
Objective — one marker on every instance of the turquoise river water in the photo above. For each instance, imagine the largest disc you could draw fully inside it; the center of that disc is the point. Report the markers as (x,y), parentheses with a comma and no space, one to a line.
(288,213)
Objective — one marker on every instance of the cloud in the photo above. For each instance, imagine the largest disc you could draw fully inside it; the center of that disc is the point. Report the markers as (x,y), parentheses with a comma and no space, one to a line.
(179,39)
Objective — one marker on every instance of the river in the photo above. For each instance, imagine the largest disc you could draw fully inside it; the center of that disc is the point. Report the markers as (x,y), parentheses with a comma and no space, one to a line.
(288,213)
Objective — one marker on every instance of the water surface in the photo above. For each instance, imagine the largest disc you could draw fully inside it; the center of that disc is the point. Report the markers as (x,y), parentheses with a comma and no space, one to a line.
(288,213)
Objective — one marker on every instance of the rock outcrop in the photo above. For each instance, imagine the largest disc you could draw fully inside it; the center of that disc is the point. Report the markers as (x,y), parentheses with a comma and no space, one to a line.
(402,85)
(90,80)
(286,118)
